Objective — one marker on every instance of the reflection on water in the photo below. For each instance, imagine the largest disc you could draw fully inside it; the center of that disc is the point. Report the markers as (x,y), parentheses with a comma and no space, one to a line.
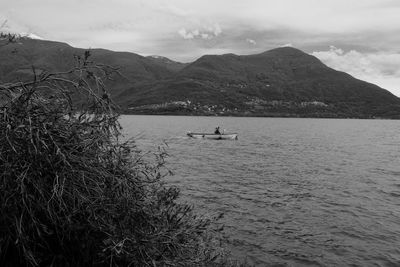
(294,192)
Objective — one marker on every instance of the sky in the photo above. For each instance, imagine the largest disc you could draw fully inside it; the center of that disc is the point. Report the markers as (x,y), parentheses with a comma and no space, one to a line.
(360,37)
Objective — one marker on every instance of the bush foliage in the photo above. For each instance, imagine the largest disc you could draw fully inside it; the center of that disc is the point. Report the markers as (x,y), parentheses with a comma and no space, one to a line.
(73,194)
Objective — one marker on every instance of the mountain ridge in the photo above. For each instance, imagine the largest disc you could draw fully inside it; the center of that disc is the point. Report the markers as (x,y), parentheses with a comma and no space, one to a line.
(279,82)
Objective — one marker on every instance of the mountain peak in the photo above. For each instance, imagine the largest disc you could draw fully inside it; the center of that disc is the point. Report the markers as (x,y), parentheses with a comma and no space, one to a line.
(32,36)
(285,51)
(159,57)
(166,62)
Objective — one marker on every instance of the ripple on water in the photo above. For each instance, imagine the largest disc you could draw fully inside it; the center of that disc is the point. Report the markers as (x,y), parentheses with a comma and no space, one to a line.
(294,192)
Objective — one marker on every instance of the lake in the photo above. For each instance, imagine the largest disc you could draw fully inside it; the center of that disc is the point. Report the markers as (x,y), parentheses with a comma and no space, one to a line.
(294,192)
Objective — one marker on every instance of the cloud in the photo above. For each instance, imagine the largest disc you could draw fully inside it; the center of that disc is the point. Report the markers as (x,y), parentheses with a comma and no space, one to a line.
(207,32)
(251,41)
(380,68)
(185,34)
(365,33)
(74,21)
(177,11)
(287,45)
(216,29)
(205,36)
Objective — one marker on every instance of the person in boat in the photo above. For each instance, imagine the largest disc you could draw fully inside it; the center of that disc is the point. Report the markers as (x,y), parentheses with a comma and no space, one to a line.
(217,131)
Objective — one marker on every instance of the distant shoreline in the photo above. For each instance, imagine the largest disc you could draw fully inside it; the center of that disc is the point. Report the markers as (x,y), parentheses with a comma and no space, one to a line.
(276,115)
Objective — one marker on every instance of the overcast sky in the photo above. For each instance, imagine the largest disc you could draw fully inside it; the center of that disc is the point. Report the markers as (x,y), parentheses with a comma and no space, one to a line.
(361,37)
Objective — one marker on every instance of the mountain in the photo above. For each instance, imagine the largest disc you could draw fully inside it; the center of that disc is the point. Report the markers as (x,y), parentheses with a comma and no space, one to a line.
(18,57)
(167,63)
(279,82)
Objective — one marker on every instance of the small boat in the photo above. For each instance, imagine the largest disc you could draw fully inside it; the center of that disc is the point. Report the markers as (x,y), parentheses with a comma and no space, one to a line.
(222,136)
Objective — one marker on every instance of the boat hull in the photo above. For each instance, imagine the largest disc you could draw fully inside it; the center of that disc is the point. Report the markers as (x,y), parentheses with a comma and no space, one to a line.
(225,136)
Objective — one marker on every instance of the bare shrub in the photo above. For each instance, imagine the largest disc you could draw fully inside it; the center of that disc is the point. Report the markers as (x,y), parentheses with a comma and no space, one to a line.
(73,194)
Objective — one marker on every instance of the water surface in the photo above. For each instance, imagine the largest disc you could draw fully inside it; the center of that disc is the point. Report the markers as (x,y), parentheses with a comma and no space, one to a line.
(294,192)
